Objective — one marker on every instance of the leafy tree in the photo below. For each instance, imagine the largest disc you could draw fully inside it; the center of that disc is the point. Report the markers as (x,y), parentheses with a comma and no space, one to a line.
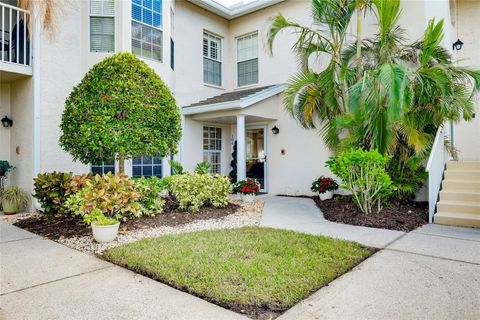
(376,93)
(121,109)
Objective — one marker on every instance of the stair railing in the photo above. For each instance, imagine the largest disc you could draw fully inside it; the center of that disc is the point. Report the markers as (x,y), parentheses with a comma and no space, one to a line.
(435,168)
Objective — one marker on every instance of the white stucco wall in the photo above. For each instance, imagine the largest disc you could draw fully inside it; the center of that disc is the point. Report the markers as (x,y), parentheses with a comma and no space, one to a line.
(467,134)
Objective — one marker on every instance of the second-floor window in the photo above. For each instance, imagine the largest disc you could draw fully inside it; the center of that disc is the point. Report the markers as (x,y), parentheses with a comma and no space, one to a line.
(102,25)
(147,29)
(212,59)
(247,59)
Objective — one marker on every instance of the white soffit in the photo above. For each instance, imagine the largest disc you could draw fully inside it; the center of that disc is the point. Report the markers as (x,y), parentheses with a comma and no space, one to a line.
(236,10)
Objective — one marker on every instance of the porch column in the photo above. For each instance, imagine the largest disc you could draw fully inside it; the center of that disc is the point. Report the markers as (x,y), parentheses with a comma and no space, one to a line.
(241,158)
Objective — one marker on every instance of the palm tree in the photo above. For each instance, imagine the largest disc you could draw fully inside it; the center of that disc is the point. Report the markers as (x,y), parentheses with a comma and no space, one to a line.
(382,94)
(44,10)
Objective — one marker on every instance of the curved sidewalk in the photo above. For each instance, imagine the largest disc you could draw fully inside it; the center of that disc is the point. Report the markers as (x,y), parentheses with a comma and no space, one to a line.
(303,215)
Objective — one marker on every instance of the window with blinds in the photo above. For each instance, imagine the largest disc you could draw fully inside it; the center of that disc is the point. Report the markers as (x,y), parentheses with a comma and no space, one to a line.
(102,25)
(212,59)
(147,29)
(247,59)
(212,148)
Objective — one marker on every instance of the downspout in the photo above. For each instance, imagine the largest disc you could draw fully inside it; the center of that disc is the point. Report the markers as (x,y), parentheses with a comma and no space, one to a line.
(36,104)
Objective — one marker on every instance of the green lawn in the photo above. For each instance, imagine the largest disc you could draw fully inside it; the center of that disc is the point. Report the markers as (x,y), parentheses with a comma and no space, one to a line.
(244,268)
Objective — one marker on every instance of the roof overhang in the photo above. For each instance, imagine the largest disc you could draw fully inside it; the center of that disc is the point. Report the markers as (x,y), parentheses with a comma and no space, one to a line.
(236,104)
(230,13)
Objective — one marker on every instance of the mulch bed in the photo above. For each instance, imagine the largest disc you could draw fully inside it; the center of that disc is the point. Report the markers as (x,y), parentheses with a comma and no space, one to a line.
(402,216)
(56,228)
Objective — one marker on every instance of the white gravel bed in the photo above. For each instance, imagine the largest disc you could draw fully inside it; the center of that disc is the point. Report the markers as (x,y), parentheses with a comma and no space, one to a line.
(249,215)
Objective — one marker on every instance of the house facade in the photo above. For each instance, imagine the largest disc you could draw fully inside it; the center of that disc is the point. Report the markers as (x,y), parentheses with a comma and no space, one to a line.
(215,61)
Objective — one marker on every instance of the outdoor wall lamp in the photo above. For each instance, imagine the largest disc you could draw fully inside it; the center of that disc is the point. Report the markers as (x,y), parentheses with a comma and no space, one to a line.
(7,122)
(275,130)
(457,45)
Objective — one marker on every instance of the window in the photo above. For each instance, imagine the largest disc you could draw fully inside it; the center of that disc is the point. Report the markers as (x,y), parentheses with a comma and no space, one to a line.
(147,29)
(212,59)
(102,25)
(147,166)
(247,59)
(212,148)
(104,167)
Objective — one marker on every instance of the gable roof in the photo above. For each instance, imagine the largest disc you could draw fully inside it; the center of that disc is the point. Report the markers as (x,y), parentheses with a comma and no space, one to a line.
(234,11)
(234,99)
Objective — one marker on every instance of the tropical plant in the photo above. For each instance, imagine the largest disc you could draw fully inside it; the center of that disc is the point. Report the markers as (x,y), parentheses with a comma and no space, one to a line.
(379,93)
(114,195)
(15,196)
(203,167)
(324,184)
(364,174)
(120,109)
(52,190)
(5,167)
(176,167)
(46,11)
(99,219)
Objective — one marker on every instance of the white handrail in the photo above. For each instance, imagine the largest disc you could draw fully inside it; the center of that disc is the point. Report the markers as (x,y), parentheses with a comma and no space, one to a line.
(15,49)
(435,168)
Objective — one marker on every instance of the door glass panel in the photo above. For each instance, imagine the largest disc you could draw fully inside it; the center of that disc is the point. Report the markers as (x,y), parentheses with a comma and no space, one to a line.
(256,156)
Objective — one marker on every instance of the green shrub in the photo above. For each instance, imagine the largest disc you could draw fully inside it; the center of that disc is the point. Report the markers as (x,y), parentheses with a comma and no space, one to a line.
(194,190)
(54,188)
(364,174)
(176,167)
(203,167)
(152,194)
(114,195)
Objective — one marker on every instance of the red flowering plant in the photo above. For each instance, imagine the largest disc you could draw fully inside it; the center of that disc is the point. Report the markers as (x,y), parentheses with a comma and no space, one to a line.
(247,186)
(324,184)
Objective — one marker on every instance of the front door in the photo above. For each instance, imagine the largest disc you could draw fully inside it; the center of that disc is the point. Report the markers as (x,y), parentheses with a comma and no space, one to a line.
(256,156)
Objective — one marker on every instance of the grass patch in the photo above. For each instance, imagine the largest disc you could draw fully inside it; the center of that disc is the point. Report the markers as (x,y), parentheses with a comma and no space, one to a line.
(253,270)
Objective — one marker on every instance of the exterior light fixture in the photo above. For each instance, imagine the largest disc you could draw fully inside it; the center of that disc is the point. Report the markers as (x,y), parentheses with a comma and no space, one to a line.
(457,45)
(7,122)
(275,130)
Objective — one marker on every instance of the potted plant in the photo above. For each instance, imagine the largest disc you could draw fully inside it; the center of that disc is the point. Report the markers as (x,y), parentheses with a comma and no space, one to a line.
(5,167)
(248,188)
(325,187)
(13,198)
(104,228)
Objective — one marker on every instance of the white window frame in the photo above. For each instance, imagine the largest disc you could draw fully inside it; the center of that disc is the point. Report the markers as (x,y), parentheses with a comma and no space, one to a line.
(209,36)
(145,25)
(102,15)
(238,61)
(208,152)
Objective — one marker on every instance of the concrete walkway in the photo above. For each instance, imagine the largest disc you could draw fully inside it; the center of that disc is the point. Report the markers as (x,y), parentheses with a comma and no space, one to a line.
(303,215)
(41,279)
(430,273)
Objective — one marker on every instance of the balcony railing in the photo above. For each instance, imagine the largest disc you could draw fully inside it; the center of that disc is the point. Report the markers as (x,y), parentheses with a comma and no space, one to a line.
(15,44)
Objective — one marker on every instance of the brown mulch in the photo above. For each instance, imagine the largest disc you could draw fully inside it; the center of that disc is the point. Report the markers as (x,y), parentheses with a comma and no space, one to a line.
(61,227)
(402,215)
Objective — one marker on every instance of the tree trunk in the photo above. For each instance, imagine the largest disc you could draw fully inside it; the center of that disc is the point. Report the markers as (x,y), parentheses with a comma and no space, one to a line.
(121,163)
(359,41)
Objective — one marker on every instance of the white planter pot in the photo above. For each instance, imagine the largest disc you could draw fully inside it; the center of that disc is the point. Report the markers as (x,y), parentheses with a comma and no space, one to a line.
(104,234)
(238,196)
(326,195)
(248,197)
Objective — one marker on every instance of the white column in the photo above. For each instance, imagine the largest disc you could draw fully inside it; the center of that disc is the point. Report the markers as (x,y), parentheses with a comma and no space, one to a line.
(241,158)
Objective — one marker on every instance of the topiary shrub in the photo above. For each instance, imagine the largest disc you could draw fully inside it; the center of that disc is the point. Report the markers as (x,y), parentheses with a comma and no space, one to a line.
(364,175)
(194,190)
(114,195)
(120,109)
